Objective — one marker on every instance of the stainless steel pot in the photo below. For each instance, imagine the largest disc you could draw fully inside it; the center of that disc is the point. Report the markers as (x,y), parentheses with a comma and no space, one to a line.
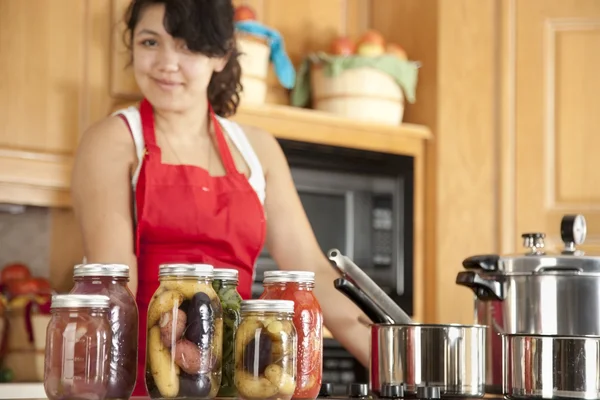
(535,293)
(550,367)
(449,358)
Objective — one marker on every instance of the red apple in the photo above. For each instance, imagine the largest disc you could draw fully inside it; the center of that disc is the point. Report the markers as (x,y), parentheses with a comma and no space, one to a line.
(396,50)
(244,13)
(371,43)
(342,46)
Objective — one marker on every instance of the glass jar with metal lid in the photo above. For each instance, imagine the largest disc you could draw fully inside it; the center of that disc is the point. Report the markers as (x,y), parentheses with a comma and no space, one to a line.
(111,280)
(185,334)
(225,284)
(78,340)
(297,286)
(266,350)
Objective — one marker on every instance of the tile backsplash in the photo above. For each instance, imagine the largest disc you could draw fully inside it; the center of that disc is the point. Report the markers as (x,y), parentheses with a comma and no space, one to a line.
(25,237)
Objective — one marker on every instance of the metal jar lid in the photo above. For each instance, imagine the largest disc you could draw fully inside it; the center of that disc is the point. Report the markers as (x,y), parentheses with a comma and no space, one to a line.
(80,301)
(114,270)
(284,306)
(289,276)
(226,275)
(186,270)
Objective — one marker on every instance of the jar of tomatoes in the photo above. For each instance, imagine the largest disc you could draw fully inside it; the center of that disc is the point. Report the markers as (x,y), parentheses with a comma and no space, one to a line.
(185,334)
(297,286)
(266,350)
(77,355)
(225,284)
(111,280)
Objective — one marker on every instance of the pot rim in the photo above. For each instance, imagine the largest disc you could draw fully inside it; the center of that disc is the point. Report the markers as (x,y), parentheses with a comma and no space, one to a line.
(426,325)
(549,336)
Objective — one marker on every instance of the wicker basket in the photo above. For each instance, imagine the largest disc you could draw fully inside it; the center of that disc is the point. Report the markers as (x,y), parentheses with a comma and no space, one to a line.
(364,94)
(254,60)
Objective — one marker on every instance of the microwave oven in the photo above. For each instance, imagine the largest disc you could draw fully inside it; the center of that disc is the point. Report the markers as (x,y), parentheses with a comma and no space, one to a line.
(361,203)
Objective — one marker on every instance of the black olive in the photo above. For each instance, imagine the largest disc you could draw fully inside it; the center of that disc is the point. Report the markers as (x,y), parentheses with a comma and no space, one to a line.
(200,320)
(193,385)
(264,356)
(184,306)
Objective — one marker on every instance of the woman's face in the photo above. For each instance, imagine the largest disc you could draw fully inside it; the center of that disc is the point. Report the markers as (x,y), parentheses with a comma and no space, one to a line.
(170,76)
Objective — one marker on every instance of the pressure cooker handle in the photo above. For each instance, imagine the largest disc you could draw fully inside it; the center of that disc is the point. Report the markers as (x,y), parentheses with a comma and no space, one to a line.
(486,262)
(485,289)
(363,302)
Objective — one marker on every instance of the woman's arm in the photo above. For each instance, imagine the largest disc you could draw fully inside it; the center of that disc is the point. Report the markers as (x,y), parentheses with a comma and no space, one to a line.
(293,245)
(101,192)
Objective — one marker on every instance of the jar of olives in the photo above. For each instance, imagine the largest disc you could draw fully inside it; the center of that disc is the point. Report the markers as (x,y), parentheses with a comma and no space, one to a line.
(266,350)
(185,334)
(297,286)
(77,355)
(225,284)
(111,280)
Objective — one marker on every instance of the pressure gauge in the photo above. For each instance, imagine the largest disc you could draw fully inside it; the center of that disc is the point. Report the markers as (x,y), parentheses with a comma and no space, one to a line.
(573,230)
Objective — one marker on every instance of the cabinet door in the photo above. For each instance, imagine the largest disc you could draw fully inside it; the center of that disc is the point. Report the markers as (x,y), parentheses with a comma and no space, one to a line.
(555,121)
(41,92)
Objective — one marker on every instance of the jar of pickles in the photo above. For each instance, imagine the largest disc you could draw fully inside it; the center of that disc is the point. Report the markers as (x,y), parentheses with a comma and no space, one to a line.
(297,286)
(266,350)
(77,355)
(185,334)
(225,284)
(111,280)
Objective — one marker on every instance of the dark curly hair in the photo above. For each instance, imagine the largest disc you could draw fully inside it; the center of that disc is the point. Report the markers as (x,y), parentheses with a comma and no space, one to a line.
(207,27)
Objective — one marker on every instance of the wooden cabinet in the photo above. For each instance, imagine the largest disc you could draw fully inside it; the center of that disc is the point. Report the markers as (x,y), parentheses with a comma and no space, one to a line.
(48,95)
(510,91)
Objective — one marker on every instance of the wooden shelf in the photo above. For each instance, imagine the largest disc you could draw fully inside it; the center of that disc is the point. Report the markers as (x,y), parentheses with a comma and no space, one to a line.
(319,127)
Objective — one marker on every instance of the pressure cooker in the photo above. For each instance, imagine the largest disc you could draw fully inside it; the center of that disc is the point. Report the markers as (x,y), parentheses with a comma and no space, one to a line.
(535,293)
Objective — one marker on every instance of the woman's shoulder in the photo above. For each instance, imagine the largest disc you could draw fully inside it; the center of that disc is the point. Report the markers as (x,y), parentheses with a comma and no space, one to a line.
(109,136)
(265,145)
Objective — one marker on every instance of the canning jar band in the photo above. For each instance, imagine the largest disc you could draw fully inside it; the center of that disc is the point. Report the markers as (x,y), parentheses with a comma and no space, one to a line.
(80,301)
(186,270)
(289,276)
(285,306)
(114,270)
(225,275)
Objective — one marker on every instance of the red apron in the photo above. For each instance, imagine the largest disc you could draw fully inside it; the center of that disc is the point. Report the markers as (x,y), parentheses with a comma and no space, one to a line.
(184,215)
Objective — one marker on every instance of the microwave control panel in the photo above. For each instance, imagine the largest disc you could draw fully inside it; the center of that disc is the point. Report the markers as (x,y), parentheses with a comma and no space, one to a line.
(382,230)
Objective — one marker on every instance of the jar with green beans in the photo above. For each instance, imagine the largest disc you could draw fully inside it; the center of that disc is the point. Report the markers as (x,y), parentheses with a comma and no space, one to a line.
(225,284)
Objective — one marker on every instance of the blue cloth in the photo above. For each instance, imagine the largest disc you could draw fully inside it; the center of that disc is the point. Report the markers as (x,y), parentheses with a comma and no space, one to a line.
(284,69)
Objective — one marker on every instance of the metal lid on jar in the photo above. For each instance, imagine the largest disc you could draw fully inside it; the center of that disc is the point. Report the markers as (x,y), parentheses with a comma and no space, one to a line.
(286,306)
(114,270)
(226,274)
(289,276)
(186,270)
(537,261)
(80,301)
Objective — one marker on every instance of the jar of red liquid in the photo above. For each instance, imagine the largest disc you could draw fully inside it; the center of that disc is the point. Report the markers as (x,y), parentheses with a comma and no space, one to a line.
(77,357)
(111,280)
(308,321)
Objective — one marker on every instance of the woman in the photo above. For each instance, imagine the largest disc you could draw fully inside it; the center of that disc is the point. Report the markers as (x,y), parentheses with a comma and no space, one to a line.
(174,181)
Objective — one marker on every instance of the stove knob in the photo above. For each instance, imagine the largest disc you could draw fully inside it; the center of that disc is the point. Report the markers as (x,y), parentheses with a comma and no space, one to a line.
(358,390)
(326,390)
(428,392)
(392,391)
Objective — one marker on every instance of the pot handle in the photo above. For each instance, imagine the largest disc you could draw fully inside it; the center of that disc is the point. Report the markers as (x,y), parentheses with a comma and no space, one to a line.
(363,302)
(485,289)
(486,262)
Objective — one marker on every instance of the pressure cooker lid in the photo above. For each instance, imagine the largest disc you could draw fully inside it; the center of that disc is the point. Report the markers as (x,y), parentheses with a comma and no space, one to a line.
(536,260)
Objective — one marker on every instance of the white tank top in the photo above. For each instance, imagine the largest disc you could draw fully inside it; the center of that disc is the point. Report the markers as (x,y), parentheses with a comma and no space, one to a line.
(235,132)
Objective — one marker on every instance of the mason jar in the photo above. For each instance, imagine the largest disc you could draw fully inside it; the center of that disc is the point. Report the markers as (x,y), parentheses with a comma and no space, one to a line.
(266,350)
(225,284)
(111,280)
(297,286)
(77,354)
(185,334)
